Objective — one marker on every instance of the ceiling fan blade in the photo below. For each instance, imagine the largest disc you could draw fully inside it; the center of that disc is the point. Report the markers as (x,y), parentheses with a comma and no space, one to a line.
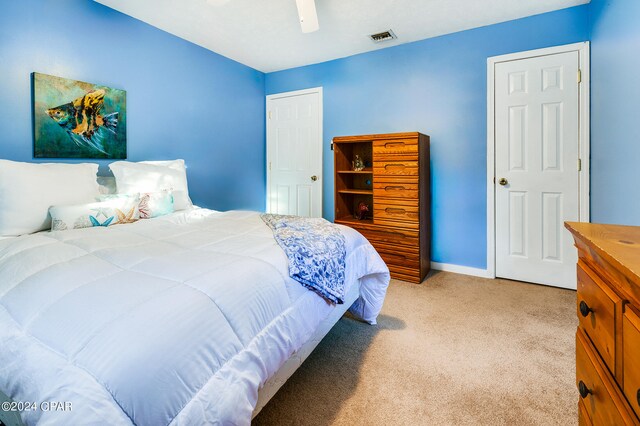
(308,16)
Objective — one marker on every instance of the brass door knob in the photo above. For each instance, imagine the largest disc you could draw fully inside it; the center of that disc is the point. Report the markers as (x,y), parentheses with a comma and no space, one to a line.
(503,181)
(314,178)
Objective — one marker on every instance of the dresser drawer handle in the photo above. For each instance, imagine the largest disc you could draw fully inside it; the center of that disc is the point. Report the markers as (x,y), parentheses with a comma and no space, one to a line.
(392,144)
(395,166)
(394,188)
(395,211)
(583,389)
(585,309)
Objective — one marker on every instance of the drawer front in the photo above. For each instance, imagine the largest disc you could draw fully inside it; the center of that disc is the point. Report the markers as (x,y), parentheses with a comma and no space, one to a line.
(399,257)
(631,358)
(598,398)
(405,274)
(399,237)
(596,313)
(398,147)
(406,215)
(408,190)
(395,168)
(583,417)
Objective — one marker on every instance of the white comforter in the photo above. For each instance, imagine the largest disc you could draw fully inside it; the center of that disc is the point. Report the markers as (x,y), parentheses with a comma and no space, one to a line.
(175,320)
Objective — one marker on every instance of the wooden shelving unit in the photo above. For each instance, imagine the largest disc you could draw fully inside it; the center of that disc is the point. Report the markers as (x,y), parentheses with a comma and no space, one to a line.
(395,185)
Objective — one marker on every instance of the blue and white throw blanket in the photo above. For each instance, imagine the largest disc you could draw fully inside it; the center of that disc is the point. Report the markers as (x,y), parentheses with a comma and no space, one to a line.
(316,252)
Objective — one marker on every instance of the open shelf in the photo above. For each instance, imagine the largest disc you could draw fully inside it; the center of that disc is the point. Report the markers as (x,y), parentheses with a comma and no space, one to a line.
(356,191)
(348,220)
(353,187)
(362,172)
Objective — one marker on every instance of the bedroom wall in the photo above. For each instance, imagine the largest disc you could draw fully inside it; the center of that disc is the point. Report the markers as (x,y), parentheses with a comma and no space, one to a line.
(438,87)
(615,109)
(182,101)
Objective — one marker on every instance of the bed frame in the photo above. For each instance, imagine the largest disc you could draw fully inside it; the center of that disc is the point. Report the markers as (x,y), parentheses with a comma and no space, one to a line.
(271,386)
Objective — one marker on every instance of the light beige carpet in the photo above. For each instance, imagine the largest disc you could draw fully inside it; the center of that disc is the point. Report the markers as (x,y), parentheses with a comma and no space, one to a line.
(454,350)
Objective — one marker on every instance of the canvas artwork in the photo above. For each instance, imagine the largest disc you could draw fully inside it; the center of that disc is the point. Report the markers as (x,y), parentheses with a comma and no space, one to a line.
(74,119)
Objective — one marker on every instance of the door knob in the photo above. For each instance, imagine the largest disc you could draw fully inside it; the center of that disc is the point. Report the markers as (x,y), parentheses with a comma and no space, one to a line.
(503,181)
(314,178)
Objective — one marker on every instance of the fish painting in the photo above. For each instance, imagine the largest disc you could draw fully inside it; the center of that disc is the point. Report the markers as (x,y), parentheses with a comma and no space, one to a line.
(75,119)
(84,121)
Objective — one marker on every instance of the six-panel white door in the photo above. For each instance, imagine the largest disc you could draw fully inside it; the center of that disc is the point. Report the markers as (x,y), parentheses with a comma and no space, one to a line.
(294,154)
(536,168)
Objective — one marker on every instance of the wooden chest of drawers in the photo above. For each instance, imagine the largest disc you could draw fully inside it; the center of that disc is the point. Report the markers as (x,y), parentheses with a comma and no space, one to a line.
(395,186)
(608,336)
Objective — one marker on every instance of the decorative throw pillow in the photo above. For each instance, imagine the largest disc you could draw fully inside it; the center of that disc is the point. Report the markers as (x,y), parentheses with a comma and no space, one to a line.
(154,204)
(153,176)
(117,210)
(151,204)
(27,190)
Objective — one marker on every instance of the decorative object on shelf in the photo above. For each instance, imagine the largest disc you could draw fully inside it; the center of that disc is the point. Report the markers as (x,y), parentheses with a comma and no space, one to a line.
(368,182)
(74,119)
(358,164)
(363,209)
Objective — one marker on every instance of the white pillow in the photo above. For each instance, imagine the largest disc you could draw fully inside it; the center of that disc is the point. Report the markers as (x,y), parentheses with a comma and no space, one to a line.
(107,185)
(103,213)
(153,176)
(27,190)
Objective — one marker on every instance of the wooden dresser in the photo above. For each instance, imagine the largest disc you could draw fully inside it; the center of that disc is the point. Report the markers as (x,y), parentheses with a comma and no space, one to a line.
(395,186)
(608,336)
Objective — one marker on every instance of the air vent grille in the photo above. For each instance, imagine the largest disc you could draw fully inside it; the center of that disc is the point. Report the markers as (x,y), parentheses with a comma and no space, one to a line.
(383,36)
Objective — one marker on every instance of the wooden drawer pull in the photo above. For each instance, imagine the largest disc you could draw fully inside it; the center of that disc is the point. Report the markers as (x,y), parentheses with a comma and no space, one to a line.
(394,166)
(392,144)
(585,310)
(394,211)
(584,390)
(394,188)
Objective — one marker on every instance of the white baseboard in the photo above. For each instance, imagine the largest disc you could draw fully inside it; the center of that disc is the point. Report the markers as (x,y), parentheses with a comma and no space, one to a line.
(458,269)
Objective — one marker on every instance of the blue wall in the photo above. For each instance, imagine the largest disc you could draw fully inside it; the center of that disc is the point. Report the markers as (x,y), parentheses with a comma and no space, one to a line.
(438,87)
(615,111)
(187,102)
(182,101)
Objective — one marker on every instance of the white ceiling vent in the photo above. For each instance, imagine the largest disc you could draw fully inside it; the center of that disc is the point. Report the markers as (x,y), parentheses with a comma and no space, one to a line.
(383,36)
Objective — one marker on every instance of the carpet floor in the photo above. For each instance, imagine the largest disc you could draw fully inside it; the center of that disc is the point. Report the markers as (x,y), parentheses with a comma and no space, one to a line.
(454,350)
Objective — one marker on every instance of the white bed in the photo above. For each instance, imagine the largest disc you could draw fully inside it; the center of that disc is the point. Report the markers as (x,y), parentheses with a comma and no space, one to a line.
(186,319)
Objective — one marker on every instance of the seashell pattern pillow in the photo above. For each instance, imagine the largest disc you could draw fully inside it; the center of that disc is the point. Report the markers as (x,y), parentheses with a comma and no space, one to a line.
(151,204)
(109,212)
(154,204)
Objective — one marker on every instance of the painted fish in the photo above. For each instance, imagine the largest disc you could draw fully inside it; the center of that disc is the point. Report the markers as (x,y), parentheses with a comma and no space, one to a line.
(83,120)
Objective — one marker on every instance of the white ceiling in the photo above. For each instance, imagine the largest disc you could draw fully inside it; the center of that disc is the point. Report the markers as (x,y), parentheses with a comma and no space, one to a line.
(266,35)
